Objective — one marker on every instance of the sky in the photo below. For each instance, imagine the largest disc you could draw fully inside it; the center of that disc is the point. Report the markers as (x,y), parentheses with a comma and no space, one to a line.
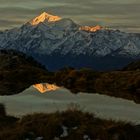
(118,14)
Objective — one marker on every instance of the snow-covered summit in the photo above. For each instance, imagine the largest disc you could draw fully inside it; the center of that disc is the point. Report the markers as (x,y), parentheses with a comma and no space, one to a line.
(57,42)
(91,28)
(44,17)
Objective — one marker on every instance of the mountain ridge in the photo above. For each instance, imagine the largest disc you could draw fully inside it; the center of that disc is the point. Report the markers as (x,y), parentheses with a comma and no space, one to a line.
(63,42)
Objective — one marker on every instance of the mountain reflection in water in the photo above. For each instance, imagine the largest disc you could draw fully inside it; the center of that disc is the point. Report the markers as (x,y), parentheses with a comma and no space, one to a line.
(31,101)
(45,87)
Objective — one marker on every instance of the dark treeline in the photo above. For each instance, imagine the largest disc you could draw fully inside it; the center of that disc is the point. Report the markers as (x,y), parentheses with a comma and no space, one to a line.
(124,84)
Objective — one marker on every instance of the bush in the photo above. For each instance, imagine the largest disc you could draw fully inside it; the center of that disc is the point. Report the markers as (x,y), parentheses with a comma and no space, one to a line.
(72,124)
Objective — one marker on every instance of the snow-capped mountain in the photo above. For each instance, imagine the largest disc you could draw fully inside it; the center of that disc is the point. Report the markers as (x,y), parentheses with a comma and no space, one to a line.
(57,42)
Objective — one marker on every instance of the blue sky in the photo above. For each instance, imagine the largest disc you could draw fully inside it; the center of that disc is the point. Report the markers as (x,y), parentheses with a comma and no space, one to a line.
(120,14)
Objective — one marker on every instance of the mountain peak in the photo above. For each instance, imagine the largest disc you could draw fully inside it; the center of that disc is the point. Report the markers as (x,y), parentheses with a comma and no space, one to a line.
(91,28)
(44,17)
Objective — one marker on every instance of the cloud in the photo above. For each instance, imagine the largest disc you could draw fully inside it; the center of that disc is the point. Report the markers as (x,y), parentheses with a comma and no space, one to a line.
(120,13)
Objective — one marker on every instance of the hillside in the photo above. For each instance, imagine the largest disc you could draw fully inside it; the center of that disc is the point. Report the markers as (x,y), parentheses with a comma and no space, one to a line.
(18,71)
(133,66)
(123,84)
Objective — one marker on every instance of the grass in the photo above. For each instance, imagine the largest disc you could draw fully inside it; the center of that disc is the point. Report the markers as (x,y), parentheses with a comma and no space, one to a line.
(78,124)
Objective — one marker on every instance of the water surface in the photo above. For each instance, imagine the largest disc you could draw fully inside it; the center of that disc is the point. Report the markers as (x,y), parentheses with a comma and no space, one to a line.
(31,101)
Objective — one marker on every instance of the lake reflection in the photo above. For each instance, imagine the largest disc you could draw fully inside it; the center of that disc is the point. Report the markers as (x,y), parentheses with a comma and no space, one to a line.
(31,101)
